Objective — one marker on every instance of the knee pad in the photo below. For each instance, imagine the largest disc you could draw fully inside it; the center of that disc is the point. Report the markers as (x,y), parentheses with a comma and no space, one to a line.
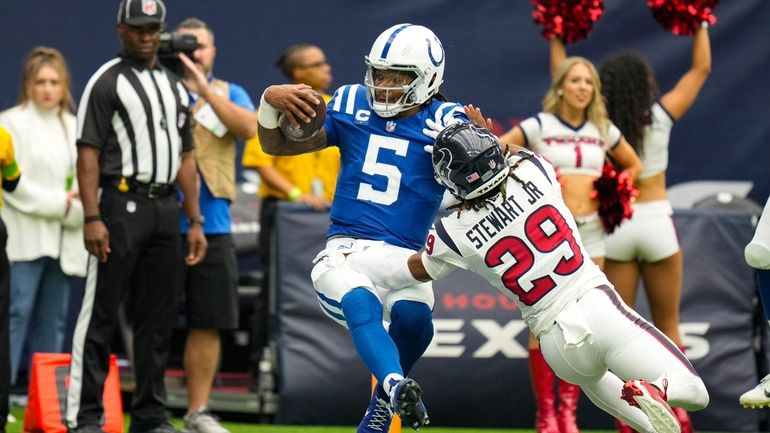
(361,307)
(757,255)
(410,318)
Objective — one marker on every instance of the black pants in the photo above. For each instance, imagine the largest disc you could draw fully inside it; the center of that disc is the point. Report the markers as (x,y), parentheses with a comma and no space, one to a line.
(5,355)
(143,264)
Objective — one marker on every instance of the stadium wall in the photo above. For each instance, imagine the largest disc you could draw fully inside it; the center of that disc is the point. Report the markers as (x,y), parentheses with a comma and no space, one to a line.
(496,58)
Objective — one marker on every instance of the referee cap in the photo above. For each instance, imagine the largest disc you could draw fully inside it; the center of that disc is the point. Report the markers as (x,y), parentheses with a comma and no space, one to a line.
(141,12)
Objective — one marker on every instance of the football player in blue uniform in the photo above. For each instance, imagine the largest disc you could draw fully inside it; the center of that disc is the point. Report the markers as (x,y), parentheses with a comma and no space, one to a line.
(386,201)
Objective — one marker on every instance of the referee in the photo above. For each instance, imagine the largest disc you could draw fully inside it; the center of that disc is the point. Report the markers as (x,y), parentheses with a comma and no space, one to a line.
(134,143)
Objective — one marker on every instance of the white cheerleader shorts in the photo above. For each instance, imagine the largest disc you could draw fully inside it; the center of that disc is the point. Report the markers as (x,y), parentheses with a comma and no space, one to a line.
(334,276)
(592,234)
(649,236)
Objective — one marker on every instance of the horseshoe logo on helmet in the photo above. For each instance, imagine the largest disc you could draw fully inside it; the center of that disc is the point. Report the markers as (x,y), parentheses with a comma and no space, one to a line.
(430,52)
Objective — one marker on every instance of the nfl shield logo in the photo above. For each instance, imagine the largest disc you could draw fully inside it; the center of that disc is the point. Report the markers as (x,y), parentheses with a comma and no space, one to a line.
(390,126)
(149,7)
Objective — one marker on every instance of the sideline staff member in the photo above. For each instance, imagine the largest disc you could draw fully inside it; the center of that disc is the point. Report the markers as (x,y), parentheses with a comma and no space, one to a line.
(133,142)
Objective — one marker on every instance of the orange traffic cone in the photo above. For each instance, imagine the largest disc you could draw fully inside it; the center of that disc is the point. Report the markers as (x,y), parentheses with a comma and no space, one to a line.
(48,383)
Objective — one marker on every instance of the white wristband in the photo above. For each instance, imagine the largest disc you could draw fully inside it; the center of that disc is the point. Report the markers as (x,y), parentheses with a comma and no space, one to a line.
(268,115)
(704,24)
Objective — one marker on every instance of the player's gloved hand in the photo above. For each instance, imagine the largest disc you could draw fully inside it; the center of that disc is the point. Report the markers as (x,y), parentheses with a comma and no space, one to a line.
(434,128)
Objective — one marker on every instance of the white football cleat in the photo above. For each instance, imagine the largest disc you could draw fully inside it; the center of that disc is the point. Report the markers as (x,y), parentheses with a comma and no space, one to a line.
(758,397)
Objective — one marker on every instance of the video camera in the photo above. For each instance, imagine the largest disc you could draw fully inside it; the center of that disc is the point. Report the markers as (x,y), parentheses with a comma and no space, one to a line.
(172,44)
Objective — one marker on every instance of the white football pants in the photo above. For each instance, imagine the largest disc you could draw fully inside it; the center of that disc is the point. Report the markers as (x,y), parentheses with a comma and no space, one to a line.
(599,343)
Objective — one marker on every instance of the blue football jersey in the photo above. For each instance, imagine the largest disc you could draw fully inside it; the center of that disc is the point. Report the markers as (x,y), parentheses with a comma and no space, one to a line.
(385,190)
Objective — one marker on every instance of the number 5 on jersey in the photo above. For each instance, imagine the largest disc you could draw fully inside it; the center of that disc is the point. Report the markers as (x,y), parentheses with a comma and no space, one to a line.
(374,168)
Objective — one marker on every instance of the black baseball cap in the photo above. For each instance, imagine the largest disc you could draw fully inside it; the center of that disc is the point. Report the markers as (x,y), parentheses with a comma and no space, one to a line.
(141,12)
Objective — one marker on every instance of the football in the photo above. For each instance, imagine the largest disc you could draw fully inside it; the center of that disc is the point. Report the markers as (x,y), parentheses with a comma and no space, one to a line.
(306,130)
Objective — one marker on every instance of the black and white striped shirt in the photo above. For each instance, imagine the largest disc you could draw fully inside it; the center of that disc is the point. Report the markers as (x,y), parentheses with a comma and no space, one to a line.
(139,119)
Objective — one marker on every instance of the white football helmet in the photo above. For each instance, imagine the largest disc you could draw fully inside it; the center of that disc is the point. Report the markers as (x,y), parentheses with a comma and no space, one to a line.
(410,48)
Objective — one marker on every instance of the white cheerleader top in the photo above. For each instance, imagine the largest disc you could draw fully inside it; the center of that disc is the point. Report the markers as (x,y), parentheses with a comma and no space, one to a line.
(655,144)
(572,150)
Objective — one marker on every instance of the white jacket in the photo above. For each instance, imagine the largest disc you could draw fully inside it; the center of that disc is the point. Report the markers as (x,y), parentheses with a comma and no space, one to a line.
(35,212)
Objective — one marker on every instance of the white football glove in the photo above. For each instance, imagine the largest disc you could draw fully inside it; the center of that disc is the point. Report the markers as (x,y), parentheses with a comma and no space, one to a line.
(434,128)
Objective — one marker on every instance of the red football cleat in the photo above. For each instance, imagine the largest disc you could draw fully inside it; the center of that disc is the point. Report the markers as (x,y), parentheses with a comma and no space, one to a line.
(652,401)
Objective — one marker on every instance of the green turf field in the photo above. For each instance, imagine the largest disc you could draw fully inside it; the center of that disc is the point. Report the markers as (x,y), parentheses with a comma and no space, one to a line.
(268,428)
(235,427)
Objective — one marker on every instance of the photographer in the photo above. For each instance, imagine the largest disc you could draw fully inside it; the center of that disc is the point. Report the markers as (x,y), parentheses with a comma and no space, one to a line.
(222,112)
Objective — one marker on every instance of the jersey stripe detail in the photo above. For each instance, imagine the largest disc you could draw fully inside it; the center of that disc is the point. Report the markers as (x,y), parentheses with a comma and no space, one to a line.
(165,125)
(646,327)
(537,163)
(130,93)
(444,236)
(450,115)
(142,84)
(351,99)
(386,48)
(338,96)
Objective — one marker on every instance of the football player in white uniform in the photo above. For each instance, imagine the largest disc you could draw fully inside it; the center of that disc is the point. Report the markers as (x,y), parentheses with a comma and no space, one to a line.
(757,255)
(646,120)
(513,228)
(574,134)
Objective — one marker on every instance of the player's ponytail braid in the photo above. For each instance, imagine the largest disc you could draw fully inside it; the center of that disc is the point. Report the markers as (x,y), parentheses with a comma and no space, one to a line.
(524,156)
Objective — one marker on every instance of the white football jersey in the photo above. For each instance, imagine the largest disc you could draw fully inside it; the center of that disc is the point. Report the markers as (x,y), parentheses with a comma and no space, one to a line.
(573,150)
(525,243)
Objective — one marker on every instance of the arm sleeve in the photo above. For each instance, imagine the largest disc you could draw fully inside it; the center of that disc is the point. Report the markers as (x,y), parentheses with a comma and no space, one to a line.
(532,130)
(31,198)
(254,156)
(613,137)
(331,132)
(95,114)
(10,170)
(449,112)
(239,96)
(438,258)
(185,130)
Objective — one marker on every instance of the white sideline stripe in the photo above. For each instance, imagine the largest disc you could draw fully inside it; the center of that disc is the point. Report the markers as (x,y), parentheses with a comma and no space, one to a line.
(351,98)
(78,343)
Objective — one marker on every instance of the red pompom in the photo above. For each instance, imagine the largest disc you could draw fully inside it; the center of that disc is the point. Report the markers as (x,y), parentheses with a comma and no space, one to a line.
(569,20)
(615,193)
(683,17)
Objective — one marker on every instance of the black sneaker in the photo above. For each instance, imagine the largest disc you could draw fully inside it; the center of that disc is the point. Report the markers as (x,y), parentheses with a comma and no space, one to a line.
(91,428)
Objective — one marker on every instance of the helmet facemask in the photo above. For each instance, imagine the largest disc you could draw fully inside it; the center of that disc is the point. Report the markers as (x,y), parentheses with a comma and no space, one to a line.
(391,79)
